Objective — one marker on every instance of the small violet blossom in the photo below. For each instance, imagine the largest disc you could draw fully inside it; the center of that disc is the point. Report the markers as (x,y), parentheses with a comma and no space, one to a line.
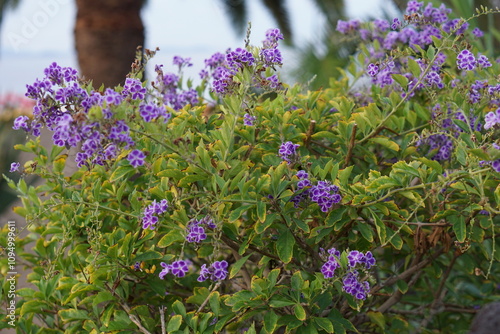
(14,167)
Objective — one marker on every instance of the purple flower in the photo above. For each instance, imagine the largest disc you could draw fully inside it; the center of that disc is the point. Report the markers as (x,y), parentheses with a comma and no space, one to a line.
(372,69)
(288,151)
(179,268)
(368,260)
(413,6)
(271,57)
(381,25)
(354,287)
(272,38)
(134,89)
(302,174)
(112,97)
(14,167)
(466,60)
(249,120)
(354,257)
(396,24)
(239,58)
(303,184)
(496,165)
(216,272)
(150,213)
(137,266)
(165,270)
(181,62)
(272,82)
(216,60)
(345,27)
(219,270)
(136,158)
(196,233)
(477,32)
(491,119)
(21,122)
(328,268)
(483,61)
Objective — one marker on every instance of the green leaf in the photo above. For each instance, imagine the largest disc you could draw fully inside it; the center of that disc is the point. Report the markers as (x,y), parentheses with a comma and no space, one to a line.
(169,238)
(237,266)
(33,306)
(324,323)
(380,226)
(148,255)
(72,314)
(381,183)
(121,172)
(402,286)
(299,312)
(280,301)
(261,211)
(174,323)
(344,175)
(101,297)
(459,228)
(214,300)
(377,318)
(366,231)
(185,181)
(414,67)
(270,321)
(284,246)
(432,164)
(179,308)
(400,79)
(386,142)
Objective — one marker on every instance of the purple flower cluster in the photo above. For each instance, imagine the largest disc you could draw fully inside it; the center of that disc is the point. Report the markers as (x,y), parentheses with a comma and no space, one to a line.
(491,119)
(223,68)
(323,193)
(177,268)
(239,58)
(182,62)
(351,280)
(249,120)
(353,286)
(346,27)
(216,272)
(442,143)
(288,152)
(134,89)
(78,117)
(150,112)
(151,212)
(195,229)
(467,61)
(166,85)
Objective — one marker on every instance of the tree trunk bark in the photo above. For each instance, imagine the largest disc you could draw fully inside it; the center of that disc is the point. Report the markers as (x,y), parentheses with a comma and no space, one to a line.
(107,34)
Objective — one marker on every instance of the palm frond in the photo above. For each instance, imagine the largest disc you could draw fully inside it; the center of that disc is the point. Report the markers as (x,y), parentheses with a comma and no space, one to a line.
(237,12)
(279,12)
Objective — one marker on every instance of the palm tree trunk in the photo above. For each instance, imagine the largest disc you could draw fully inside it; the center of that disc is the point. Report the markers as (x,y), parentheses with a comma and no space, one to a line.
(107,34)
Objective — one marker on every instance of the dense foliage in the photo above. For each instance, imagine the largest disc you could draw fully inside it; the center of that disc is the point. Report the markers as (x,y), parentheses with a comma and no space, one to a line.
(370,205)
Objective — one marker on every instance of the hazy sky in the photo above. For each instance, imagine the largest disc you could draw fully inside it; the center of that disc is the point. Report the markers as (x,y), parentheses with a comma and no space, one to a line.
(41,31)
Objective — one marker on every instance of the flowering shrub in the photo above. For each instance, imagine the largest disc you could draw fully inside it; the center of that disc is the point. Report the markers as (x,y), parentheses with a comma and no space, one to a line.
(209,209)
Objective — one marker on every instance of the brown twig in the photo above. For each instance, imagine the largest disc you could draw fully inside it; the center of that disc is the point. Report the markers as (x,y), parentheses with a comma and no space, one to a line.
(350,148)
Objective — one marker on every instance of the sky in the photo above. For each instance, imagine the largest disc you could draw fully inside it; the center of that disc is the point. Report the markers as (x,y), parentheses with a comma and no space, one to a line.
(39,32)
